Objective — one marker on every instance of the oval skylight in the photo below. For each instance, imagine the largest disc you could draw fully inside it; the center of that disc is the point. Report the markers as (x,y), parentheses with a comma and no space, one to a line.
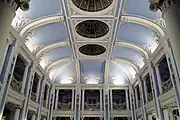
(92,5)
(92,28)
(92,49)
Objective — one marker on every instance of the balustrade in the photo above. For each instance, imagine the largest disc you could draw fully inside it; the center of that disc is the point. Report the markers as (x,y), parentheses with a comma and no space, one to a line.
(33,96)
(166,86)
(150,96)
(119,106)
(139,103)
(64,106)
(92,106)
(44,103)
(16,85)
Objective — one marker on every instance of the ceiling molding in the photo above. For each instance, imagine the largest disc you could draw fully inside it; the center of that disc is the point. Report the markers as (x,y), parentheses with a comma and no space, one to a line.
(40,22)
(50,47)
(126,61)
(63,44)
(133,46)
(57,62)
(70,60)
(145,22)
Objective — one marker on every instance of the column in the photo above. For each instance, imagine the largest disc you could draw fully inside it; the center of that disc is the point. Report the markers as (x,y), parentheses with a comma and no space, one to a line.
(159,78)
(40,100)
(136,97)
(6,85)
(33,117)
(83,99)
(38,90)
(111,100)
(47,96)
(57,96)
(7,13)
(24,77)
(134,117)
(144,109)
(171,13)
(16,114)
(106,104)
(155,90)
(145,91)
(72,101)
(131,105)
(166,114)
(77,102)
(100,99)
(28,90)
(127,100)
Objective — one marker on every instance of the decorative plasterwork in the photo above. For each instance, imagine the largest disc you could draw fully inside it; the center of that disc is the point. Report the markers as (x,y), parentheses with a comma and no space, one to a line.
(40,22)
(145,22)
(50,47)
(133,46)
(19,22)
(98,79)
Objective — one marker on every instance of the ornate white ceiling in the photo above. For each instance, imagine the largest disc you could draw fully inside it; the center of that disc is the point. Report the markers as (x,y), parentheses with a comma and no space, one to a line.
(49,29)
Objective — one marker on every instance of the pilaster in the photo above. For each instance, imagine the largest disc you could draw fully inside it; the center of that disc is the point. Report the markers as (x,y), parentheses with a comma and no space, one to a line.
(57,96)
(72,101)
(83,94)
(24,77)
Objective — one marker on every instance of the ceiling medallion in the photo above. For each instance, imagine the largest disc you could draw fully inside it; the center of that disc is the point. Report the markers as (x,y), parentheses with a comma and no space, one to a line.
(92,28)
(92,49)
(92,5)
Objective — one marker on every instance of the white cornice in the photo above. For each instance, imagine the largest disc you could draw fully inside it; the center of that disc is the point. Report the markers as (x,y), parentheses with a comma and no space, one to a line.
(133,46)
(50,47)
(145,22)
(40,22)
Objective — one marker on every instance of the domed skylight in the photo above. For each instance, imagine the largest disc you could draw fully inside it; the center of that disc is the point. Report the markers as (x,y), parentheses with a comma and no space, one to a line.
(92,49)
(92,28)
(92,5)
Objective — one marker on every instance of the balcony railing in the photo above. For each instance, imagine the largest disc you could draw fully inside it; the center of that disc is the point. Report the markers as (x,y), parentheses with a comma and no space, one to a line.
(139,103)
(64,106)
(44,103)
(166,86)
(92,106)
(119,106)
(150,96)
(33,96)
(16,85)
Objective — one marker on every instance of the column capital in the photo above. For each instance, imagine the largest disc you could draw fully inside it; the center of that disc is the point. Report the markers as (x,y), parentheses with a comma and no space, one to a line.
(15,4)
(162,5)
